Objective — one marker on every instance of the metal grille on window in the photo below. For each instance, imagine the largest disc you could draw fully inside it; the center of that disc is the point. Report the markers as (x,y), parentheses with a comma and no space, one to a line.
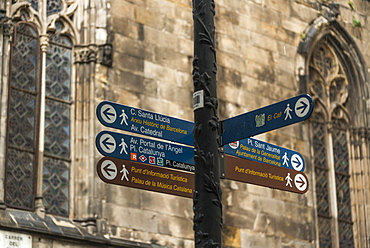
(341,162)
(329,87)
(322,188)
(21,147)
(57,126)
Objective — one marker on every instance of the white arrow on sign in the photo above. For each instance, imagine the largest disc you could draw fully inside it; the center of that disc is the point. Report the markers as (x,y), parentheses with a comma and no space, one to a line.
(108,113)
(297,162)
(107,143)
(302,107)
(300,182)
(109,169)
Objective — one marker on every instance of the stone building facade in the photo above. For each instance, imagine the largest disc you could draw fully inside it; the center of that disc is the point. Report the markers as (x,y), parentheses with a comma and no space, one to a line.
(61,58)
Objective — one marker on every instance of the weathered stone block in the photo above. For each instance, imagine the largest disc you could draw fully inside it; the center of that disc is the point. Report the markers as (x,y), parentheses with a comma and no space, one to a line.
(131,217)
(148,17)
(123,196)
(129,62)
(128,27)
(231,236)
(245,221)
(168,205)
(175,226)
(121,8)
(257,240)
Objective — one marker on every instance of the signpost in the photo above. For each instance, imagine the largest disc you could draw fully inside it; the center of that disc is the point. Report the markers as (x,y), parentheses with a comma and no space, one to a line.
(146,151)
(256,162)
(140,162)
(268,118)
(249,171)
(147,177)
(265,153)
(145,122)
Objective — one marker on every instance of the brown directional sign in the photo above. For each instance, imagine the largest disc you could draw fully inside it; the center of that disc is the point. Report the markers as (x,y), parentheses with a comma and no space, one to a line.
(258,173)
(147,177)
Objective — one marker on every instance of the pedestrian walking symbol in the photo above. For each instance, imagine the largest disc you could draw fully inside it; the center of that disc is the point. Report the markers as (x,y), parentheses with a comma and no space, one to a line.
(124,117)
(124,172)
(123,145)
(286,159)
(287,112)
(288,180)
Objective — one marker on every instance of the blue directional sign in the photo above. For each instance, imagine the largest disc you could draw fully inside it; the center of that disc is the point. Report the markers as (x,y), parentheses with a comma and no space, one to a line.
(268,118)
(145,151)
(266,153)
(145,122)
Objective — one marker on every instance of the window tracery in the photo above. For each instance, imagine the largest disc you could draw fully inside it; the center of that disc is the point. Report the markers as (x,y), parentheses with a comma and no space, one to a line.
(330,124)
(40,101)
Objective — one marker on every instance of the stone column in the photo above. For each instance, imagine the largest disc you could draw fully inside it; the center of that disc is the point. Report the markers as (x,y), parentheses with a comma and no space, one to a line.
(39,205)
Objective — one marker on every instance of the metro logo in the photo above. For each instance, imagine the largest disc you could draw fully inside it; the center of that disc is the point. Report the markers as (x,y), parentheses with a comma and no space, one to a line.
(142,158)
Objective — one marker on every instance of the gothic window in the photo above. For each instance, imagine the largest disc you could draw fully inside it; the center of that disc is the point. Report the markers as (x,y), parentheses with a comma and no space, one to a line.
(53,6)
(330,138)
(22,119)
(57,125)
(39,98)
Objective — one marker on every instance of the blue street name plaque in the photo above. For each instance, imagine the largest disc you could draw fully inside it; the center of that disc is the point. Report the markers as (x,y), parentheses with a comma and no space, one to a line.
(145,122)
(145,151)
(266,153)
(268,118)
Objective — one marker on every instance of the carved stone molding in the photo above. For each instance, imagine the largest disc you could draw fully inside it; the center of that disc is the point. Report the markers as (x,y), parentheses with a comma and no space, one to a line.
(359,135)
(6,24)
(85,53)
(105,55)
(102,54)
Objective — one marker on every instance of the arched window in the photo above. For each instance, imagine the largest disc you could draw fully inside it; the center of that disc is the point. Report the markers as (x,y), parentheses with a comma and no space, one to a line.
(57,125)
(38,151)
(22,119)
(330,138)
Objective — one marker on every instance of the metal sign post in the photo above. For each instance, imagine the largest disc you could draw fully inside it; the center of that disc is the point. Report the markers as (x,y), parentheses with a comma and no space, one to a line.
(207,201)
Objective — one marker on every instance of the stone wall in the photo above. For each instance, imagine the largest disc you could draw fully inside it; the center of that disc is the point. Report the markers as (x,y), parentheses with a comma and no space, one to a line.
(257,42)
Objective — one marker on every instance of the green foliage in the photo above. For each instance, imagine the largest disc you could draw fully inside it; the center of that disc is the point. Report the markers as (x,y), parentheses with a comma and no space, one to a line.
(356,23)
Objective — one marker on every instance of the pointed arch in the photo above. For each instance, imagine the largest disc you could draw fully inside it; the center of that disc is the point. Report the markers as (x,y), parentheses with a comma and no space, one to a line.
(332,69)
(38,176)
